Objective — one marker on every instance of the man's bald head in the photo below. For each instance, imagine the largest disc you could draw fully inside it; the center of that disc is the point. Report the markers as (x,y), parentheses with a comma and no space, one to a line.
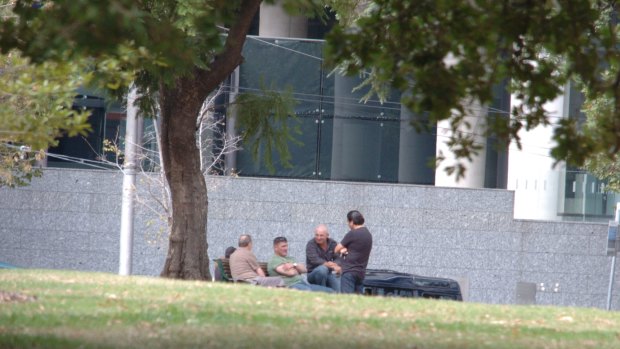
(321,234)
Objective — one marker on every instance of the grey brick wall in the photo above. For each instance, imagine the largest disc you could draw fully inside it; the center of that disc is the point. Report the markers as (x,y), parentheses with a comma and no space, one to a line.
(70,219)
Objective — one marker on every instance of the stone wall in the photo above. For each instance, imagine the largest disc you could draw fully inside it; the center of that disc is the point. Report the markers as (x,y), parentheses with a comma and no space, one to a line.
(70,219)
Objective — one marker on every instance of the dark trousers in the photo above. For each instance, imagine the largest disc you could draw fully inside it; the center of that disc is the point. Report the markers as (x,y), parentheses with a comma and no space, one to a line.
(351,283)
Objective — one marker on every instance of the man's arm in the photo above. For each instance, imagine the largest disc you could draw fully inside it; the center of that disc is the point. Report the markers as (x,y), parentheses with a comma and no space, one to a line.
(340,249)
(286,269)
(301,268)
(260,272)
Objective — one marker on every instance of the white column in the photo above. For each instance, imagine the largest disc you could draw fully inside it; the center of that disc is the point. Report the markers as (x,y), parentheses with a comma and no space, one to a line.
(530,169)
(475,170)
(276,23)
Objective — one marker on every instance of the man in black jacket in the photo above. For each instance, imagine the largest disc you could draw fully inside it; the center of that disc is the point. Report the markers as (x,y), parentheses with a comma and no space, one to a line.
(321,260)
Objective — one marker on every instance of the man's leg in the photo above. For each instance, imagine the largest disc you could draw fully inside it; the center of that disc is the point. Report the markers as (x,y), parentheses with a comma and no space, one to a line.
(347,283)
(359,285)
(333,282)
(302,286)
(319,275)
(269,281)
(318,288)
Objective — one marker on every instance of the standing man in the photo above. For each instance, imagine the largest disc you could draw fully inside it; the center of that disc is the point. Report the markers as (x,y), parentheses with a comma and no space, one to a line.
(290,271)
(355,249)
(244,266)
(320,260)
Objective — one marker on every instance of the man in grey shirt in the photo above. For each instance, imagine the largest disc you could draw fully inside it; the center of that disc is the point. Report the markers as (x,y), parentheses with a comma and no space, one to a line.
(321,260)
(244,266)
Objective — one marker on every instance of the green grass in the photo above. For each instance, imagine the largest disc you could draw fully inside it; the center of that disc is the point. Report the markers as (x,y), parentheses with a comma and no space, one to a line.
(94,310)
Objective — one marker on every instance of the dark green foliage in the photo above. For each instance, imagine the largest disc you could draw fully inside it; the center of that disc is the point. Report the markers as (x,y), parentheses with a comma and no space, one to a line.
(444,53)
(155,41)
(93,29)
(268,123)
(36,108)
(158,41)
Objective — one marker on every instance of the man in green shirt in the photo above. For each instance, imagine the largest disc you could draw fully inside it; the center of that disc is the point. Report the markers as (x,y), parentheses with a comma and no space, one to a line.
(290,271)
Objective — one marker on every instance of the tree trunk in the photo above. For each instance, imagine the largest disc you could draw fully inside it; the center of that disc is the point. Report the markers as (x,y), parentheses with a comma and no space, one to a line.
(180,103)
(187,251)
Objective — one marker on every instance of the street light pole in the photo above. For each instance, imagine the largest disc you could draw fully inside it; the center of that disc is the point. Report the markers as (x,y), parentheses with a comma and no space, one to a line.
(613,257)
(129,185)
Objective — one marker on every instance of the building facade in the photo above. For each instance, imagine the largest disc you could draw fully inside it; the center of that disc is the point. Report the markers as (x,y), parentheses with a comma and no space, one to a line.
(342,138)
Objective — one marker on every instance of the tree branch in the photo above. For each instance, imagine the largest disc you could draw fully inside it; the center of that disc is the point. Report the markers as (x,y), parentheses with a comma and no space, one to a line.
(224,63)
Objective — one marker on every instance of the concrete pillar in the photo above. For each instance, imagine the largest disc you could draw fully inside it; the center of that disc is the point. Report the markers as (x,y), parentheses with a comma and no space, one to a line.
(276,23)
(475,170)
(530,169)
(414,152)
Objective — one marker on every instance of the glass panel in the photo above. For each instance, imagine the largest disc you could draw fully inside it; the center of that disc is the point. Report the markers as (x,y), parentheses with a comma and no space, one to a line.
(586,199)
(363,149)
(278,64)
(281,64)
(303,156)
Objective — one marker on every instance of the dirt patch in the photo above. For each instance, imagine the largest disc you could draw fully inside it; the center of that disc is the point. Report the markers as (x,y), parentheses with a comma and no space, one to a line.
(14,297)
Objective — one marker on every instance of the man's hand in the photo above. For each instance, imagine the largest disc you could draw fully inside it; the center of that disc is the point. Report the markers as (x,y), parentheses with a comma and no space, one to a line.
(334,266)
(287,269)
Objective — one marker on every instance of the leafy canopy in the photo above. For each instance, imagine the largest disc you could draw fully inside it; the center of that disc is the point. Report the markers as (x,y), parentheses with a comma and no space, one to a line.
(443,54)
(36,108)
(148,42)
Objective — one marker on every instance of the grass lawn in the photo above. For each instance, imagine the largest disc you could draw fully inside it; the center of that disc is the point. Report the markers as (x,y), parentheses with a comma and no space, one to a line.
(63,309)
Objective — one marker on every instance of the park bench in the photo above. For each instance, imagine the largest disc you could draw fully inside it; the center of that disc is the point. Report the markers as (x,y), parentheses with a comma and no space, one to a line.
(380,282)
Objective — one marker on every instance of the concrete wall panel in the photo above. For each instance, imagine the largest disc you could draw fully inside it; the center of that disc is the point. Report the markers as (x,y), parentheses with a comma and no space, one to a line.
(70,219)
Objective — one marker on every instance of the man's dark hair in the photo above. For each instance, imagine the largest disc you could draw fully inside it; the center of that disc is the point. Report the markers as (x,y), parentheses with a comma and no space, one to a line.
(355,217)
(278,240)
(244,240)
(229,251)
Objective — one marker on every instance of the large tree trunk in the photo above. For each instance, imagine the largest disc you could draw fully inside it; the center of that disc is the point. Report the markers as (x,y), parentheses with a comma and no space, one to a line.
(187,252)
(180,103)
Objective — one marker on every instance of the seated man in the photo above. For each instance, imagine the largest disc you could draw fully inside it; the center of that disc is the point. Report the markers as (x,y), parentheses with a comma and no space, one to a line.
(288,269)
(320,260)
(244,266)
(217,276)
